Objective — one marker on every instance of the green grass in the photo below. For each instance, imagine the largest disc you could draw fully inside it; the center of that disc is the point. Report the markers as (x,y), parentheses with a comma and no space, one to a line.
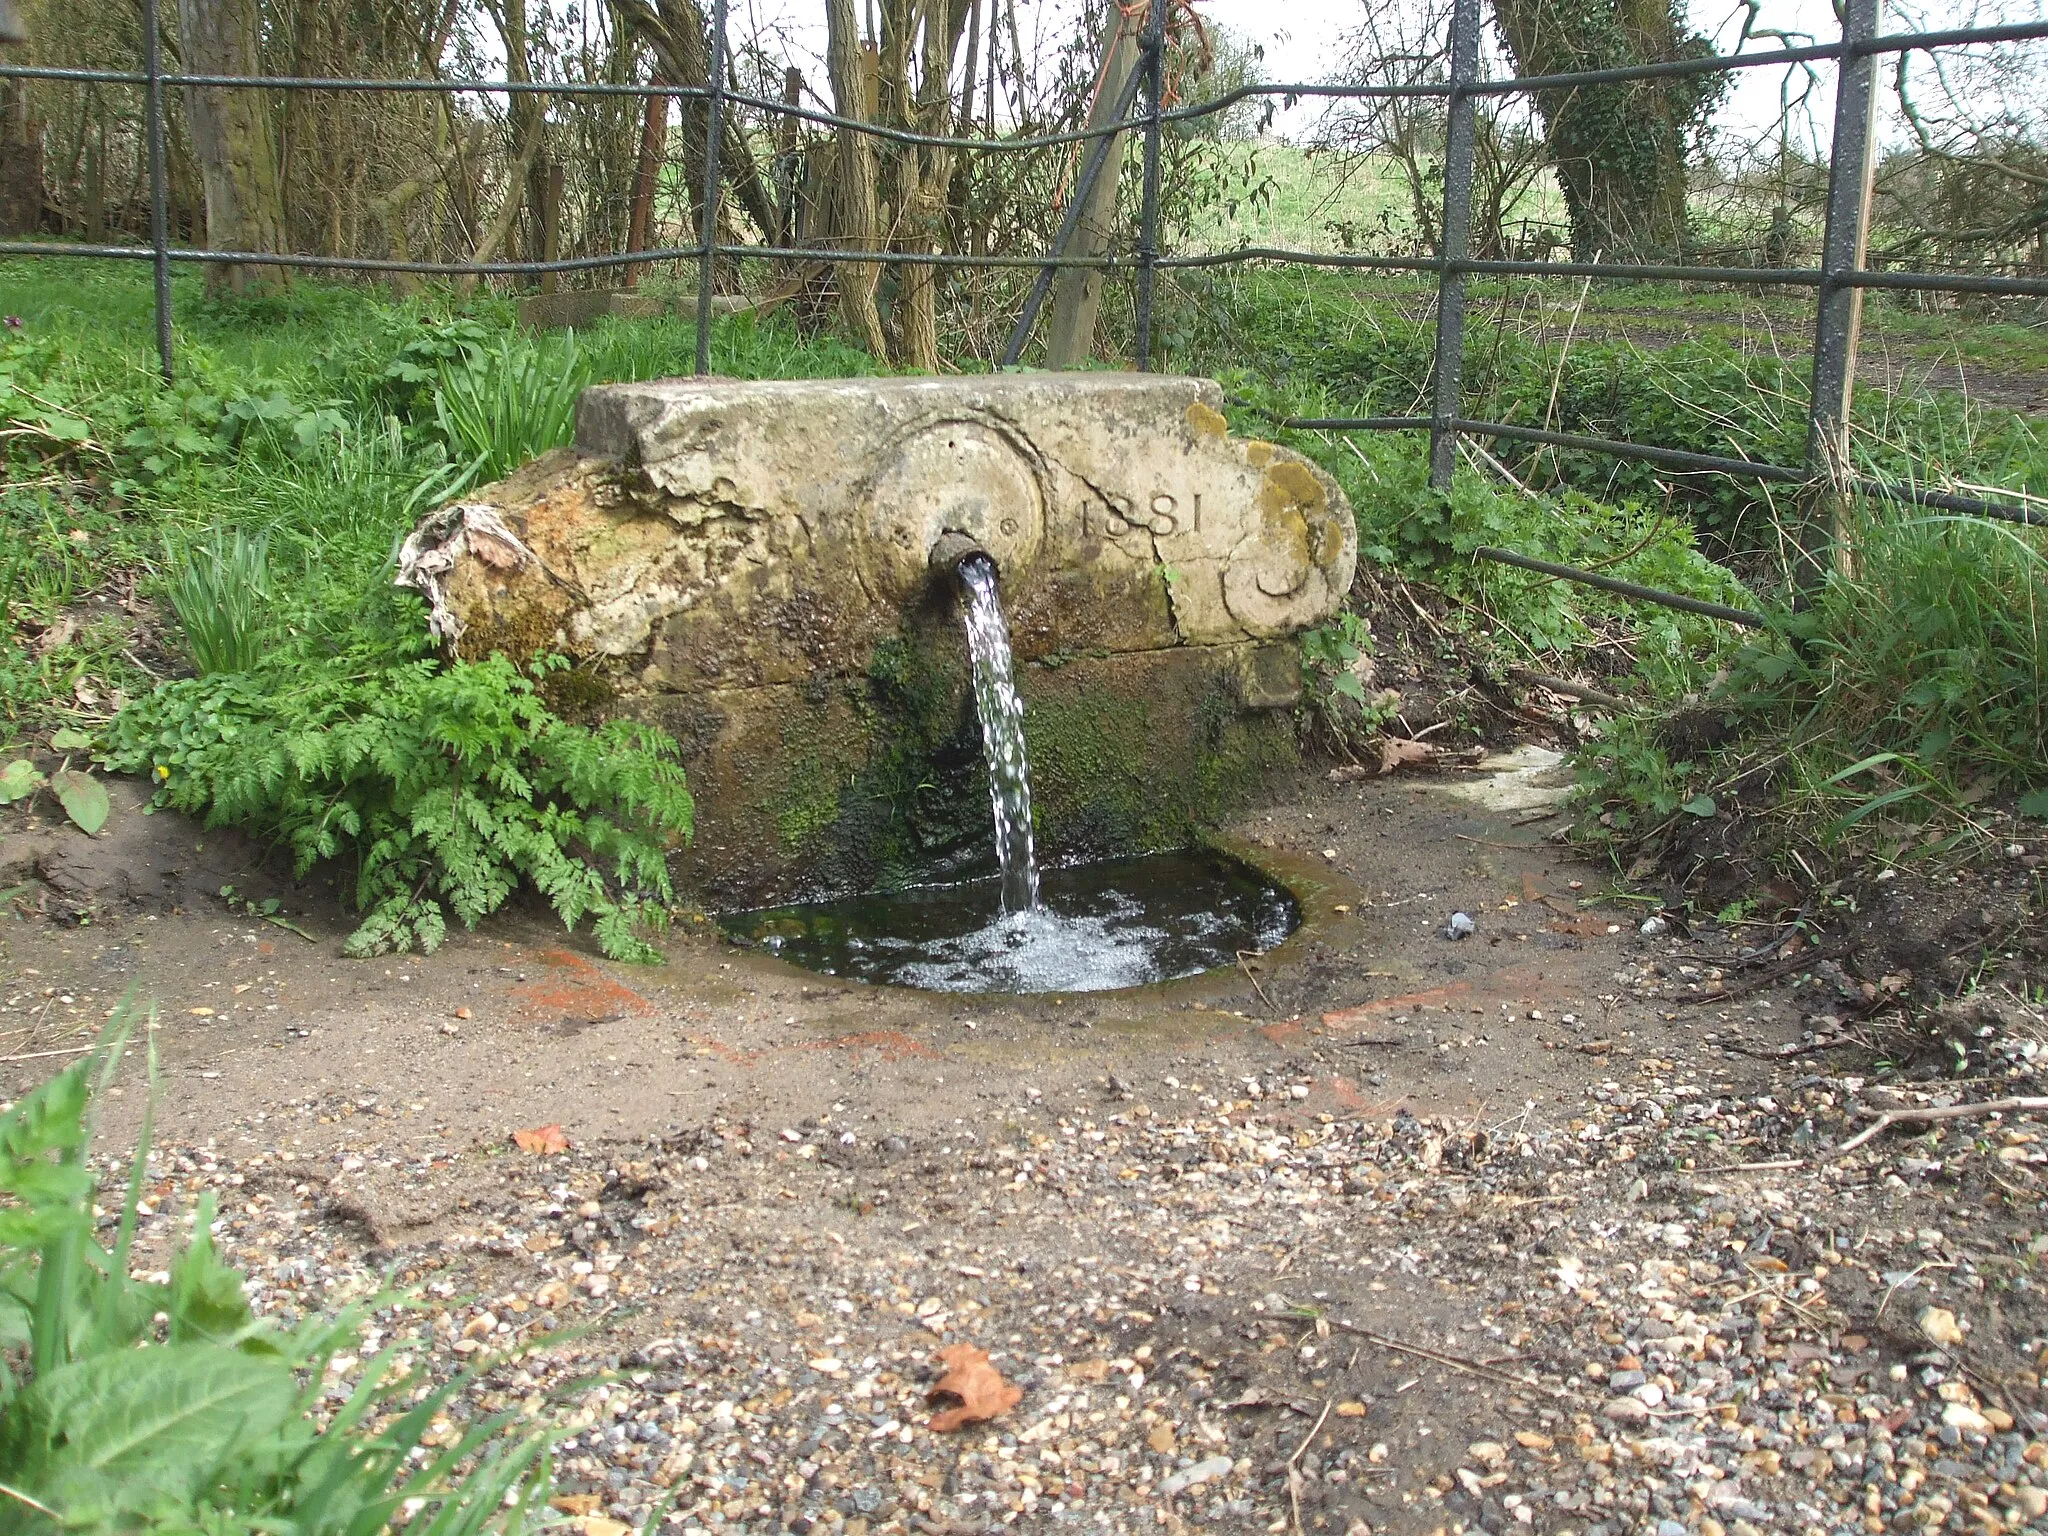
(322,421)
(1307,200)
(254,507)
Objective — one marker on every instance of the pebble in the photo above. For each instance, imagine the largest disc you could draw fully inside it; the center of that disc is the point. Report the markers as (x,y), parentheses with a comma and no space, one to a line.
(1205,1471)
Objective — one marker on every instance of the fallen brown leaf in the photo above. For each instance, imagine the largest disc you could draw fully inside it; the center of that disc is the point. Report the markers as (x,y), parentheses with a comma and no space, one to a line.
(1586,925)
(1397,752)
(576,1503)
(544,1140)
(979,1386)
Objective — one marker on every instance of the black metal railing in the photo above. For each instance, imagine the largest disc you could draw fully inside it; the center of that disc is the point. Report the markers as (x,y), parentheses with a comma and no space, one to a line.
(1838,281)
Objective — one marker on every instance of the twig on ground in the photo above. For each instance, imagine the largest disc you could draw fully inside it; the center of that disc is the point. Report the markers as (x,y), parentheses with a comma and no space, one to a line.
(1888,1118)
(69,1050)
(1443,1357)
(1803,961)
(1294,1476)
(1579,691)
(1248,976)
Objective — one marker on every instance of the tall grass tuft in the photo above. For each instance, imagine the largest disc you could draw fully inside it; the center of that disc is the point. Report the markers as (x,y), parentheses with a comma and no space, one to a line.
(223,596)
(509,403)
(163,1406)
(1935,647)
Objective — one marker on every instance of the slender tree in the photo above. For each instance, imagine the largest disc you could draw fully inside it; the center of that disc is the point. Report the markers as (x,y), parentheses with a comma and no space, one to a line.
(234,139)
(1620,150)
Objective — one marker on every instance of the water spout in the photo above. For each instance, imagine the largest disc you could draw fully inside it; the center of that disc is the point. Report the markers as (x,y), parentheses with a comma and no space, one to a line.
(952,547)
(1002,719)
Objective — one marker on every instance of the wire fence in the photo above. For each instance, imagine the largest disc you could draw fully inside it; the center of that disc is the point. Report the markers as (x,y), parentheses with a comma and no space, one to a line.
(1838,282)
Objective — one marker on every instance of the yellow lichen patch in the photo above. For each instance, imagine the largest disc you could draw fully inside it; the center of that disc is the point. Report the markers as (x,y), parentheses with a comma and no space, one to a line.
(1291,503)
(1207,421)
(1259,453)
(1294,484)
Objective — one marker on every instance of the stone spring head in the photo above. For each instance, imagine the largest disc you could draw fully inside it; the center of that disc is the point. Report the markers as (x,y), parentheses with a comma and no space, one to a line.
(953,549)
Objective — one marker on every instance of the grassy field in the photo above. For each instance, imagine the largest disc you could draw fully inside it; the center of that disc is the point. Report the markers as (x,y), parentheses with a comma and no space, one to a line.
(199,576)
(1304,200)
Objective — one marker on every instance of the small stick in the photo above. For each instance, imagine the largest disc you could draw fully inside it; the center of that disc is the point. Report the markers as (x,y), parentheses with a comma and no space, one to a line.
(69,1050)
(1485,843)
(1782,1162)
(1294,1477)
(1891,1117)
(1349,1045)
(1456,1362)
(1800,962)
(1579,691)
(1248,976)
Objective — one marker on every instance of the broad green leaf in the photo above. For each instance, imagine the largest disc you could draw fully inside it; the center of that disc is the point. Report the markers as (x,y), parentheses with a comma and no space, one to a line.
(65,429)
(18,780)
(1700,805)
(2035,804)
(69,740)
(83,797)
(124,1428)
(207,1300)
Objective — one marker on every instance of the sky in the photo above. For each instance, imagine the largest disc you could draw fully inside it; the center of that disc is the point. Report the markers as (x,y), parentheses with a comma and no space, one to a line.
(1302,43)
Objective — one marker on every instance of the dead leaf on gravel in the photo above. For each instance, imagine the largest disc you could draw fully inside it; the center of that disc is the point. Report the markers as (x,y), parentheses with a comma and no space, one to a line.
(1396,752)
(979,1386)
(544,1140)
(1584,925)
(576,1503)
(1089,1370)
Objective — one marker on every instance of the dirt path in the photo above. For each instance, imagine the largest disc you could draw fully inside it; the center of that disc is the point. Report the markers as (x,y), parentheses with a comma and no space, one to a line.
(1407,1235)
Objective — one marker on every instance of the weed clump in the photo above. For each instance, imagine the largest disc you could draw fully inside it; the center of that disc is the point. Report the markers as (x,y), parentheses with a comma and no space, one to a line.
(447,783)
(160,1406)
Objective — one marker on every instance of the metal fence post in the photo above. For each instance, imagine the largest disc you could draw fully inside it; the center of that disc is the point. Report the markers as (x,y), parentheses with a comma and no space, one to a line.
(1148,218)
(1840,311)
(714,133)
(159,211)
(1454,246)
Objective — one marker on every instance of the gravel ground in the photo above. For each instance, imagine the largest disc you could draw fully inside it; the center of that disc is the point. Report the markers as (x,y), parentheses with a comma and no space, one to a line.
(1548,1228)
(1669,1306)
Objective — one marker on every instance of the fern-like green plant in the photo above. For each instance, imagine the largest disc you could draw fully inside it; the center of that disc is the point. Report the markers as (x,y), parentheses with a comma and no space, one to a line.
(160,1408)
(448,783)
(223,596)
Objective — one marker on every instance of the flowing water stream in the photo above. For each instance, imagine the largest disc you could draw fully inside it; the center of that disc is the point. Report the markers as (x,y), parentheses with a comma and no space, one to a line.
(1002,733)
(1099,926)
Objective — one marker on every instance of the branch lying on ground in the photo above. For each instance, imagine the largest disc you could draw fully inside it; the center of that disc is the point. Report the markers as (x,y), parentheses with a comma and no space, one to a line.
(1888,1118)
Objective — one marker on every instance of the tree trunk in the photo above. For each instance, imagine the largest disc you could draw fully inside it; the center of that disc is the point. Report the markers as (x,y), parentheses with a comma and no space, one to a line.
(925,177)
(1077,291)
(653,149)
(678,36)
(233,139)
(856,215)
(1619,150)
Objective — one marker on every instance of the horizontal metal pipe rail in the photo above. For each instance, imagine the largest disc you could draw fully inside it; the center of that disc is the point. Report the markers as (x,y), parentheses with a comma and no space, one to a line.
(1448,271)
(560,264)
(1895,42)
(1633,589)
(1940,282)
